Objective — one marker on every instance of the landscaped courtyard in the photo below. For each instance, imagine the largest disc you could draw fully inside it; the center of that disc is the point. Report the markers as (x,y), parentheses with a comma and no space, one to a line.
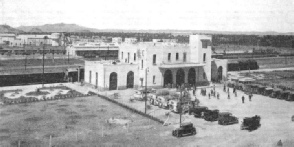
(90,121)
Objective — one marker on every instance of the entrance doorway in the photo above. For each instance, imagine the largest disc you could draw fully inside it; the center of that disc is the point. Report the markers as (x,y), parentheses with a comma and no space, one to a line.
(192,76)
(113,81)
(180,77)
(168,78)
(220,74)
(130,79)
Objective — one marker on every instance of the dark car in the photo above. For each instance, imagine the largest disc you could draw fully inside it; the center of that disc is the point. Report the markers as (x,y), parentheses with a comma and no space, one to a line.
(198,111)
(211,115)
(184,129)
(251,123)
(226,118)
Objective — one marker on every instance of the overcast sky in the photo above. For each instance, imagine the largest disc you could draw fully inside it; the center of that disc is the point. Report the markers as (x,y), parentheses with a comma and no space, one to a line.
(219,15)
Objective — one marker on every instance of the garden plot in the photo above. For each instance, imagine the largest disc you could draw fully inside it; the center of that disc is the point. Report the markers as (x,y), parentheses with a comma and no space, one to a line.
(37,94)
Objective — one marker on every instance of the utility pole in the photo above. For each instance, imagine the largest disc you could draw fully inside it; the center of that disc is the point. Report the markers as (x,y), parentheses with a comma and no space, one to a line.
(146,91)
(43,61)
(26,56)
(181,108)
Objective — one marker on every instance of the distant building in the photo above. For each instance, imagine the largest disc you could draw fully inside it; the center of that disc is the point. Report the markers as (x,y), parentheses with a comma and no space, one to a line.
(55,39)
(106,51)
(165,40)
(167,64)
(130,40)
(117,40)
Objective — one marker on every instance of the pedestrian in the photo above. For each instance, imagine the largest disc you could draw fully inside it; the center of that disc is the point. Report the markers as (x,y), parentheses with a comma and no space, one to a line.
(228,95)
(235,93)
(250,96)
(209,95)
(194,92)
(213,87)
(224,87)
(234,89)
(228,90)
(243,98)
(217,95)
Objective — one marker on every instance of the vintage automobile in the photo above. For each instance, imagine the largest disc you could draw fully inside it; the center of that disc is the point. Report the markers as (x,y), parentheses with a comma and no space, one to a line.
(276,93)
(184,129)
(251,123)
(152,98)
(174,106)
(268,91)
(290,96)
(198,111)
(260,89)
(162,102)
(211,115)
(284,95)
(138,95)
(226,118)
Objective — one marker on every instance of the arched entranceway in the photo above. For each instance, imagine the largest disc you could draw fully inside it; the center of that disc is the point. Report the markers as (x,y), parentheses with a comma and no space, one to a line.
(220,73)
(168,78)
(130,79)
(192,76)
(180,78)
(113,81)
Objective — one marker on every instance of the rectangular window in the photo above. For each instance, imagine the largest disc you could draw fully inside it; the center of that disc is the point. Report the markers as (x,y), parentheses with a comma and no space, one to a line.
(128,57)
(205,43)
(90,76)
(153,79)
(142,64)
(134,56)
(154,59)
(204,57)
(184,57)
(96,78)
(169,56)
(177,56)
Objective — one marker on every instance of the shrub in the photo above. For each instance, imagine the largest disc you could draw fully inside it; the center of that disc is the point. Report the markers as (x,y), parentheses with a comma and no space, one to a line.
(162,92)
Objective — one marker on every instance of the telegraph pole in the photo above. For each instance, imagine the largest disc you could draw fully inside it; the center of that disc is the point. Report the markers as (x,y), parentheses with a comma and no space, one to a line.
(44,60)
(181,109)
(146,91)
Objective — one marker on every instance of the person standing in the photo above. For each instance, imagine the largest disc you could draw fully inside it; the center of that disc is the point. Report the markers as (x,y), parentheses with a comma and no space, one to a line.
(243,98)
(236,94)
(250,96)
(224,87)
(217,95)
(228,95)
(209,95)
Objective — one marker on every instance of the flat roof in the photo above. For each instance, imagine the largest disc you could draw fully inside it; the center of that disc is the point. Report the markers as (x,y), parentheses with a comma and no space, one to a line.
(180,65)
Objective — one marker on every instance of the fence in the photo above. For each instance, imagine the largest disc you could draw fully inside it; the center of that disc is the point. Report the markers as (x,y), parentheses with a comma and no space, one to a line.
(131,109)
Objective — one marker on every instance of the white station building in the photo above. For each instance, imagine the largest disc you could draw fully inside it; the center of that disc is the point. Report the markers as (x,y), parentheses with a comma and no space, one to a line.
(164,64)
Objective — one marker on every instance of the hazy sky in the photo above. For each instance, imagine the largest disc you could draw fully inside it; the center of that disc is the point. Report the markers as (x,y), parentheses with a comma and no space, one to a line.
(220,15)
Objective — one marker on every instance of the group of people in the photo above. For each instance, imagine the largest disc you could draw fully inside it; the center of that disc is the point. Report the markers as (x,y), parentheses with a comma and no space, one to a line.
(235,92)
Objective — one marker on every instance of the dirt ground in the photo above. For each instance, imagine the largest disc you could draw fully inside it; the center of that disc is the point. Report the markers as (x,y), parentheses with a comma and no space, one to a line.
(83,122)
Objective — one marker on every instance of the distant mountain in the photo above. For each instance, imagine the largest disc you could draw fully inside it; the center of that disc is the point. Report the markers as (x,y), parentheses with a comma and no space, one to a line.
(62,27)
(36,30)
(8,29)
(59,27)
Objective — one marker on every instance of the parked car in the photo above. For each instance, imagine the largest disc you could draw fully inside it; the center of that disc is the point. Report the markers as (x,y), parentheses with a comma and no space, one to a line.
(198,111)
(226,118)
(211,115)
(152,99)
(175,106)
(184,129)
(162,102)
(138,95)
(251,123)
